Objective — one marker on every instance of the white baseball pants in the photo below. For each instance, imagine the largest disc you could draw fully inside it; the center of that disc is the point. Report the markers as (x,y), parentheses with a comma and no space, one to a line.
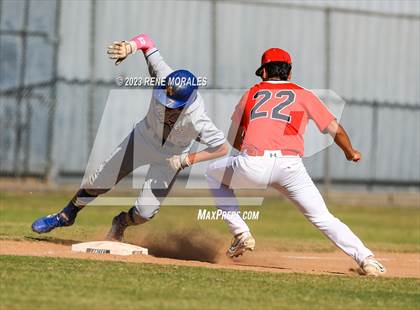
(288,175)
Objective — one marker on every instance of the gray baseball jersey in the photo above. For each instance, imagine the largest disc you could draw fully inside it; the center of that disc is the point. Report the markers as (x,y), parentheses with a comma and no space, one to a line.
(143,146)
(192,124)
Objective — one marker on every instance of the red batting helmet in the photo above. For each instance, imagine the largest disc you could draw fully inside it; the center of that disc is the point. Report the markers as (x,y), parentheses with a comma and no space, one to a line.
(273,55)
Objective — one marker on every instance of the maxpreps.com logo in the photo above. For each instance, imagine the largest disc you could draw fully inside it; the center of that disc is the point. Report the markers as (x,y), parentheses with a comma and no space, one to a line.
(214,215)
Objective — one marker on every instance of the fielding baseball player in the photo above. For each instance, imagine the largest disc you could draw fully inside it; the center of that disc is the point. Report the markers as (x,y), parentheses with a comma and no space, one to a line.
(163,139)
(267,127)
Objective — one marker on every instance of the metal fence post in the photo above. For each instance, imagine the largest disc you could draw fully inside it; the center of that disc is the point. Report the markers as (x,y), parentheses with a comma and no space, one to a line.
(214,43)
(374,144)
(327,33)
(51,169)
(92,77)
(22,72)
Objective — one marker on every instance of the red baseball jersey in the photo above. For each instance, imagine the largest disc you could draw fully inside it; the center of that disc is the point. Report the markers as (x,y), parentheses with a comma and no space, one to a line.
(274,115)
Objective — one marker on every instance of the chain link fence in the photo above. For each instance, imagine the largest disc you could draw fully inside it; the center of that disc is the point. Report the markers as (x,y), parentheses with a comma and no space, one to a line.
(49,114)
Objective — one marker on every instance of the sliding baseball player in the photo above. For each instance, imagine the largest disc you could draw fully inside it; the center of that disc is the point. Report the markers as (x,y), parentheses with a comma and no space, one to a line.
(268,128)
(163,139)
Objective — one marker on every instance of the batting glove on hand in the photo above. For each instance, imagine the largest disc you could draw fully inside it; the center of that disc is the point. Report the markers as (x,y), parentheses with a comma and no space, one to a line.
(179,162)
(119,50)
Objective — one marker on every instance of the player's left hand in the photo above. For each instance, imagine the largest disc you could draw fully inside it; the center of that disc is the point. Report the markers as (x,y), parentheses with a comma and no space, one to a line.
(179,162)
(119,50)
(356,156)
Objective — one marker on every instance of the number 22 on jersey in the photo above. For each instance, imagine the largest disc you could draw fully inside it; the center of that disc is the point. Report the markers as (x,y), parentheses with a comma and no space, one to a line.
(284,98)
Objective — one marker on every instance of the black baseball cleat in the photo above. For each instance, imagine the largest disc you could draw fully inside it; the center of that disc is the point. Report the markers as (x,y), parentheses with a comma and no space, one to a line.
(119,224)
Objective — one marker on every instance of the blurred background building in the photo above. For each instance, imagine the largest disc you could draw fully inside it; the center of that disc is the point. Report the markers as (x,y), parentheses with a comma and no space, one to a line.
(56,77)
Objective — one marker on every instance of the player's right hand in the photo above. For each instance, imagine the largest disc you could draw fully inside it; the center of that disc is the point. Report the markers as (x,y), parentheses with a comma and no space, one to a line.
(119,50)
(179,162)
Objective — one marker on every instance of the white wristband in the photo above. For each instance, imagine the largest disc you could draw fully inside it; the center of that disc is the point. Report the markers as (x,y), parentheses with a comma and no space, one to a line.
(185,160)
(133,46)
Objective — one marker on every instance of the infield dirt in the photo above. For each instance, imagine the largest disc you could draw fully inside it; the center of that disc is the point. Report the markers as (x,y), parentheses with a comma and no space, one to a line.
(178,250)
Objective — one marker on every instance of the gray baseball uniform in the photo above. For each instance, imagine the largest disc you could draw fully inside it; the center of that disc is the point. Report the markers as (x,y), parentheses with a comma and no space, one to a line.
(144,146)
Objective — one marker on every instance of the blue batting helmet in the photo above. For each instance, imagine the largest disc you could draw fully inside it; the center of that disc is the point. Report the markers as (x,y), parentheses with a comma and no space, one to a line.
(179,90)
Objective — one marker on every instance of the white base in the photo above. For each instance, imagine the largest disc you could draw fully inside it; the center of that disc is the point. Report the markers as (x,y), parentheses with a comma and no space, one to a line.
(108,247)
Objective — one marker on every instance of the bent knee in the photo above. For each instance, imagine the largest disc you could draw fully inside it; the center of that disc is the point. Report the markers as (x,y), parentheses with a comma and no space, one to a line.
(146,212)
(94,192)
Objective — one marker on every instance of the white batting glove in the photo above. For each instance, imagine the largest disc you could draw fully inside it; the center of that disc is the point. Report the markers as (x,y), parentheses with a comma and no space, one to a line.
(179,162)
(119,50)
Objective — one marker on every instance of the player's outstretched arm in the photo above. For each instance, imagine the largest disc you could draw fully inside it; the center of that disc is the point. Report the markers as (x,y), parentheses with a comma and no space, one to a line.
(207,134)
(342,140)
(179,162)
(119,50)
(209,153)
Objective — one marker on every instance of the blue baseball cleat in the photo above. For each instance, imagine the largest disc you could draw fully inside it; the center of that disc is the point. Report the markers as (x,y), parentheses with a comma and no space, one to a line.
(47,223)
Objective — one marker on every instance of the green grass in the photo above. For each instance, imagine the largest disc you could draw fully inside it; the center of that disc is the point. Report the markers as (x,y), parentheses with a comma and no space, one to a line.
(280,225)
(53,283)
